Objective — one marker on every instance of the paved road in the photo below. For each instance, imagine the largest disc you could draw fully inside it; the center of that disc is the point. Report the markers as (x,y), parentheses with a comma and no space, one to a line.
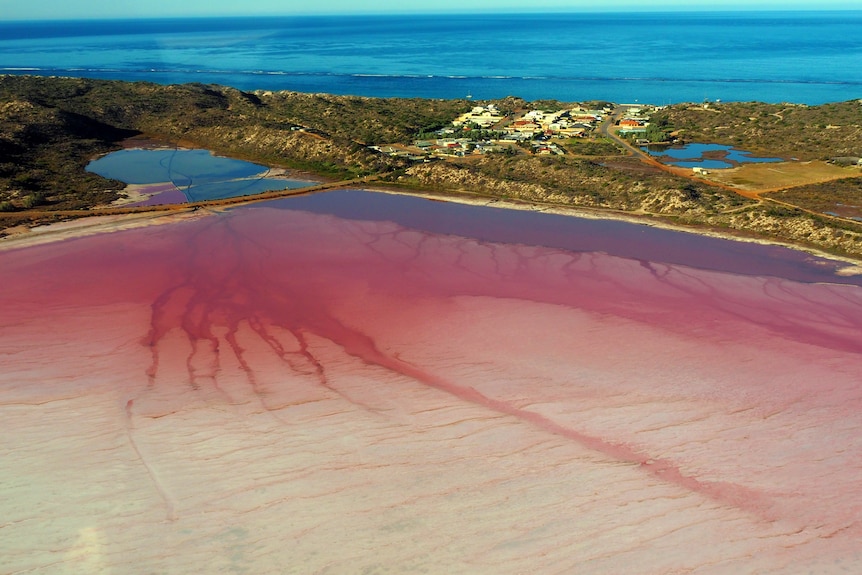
(606,130)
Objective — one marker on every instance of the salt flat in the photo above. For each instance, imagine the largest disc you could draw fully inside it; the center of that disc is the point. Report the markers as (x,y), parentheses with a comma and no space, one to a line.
(269,391)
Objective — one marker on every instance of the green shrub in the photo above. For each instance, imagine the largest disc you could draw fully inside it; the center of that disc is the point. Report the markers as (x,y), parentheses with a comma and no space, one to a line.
(32,200)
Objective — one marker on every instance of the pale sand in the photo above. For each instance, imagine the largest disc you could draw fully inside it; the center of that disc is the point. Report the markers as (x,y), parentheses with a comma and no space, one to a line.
(134,194)
(93,225)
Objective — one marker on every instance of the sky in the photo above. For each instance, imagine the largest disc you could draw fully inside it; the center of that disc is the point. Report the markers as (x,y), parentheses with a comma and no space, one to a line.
(89,9)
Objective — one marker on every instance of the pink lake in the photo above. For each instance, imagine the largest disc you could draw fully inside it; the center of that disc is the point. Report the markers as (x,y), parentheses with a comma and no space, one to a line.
(364,383)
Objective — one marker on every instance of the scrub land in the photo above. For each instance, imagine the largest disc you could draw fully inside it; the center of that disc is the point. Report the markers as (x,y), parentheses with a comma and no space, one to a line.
(594,156)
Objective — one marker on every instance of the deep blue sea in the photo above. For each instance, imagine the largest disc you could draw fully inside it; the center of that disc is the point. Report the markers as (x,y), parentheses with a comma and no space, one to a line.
(659,58)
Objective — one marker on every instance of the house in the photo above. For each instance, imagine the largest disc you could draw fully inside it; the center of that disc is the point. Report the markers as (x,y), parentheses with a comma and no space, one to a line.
(574,132)
(524,126)
(515,137)
(535,115)
(482,116)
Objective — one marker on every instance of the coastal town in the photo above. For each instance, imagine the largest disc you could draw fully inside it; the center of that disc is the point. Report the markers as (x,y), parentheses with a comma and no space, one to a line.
(487,129)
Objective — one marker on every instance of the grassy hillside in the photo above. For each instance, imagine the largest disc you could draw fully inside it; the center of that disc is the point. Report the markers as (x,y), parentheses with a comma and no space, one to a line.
(51,127)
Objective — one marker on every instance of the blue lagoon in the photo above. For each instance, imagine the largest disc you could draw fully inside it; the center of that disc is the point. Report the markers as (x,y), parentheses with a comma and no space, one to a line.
(196,174)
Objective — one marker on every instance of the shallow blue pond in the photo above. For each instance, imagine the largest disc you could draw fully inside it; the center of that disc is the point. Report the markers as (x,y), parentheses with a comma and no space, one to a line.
(691,155)
(198,174)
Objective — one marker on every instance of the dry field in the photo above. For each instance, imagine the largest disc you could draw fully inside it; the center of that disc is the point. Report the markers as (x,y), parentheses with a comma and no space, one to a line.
(770,176)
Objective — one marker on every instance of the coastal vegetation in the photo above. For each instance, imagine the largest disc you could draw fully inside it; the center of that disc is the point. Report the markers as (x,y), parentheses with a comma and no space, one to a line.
(50,128)
(841,197)
(592,147)
(787,130)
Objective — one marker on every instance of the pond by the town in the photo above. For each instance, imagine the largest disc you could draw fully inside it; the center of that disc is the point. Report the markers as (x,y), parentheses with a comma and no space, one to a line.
(711,156)
(164,176)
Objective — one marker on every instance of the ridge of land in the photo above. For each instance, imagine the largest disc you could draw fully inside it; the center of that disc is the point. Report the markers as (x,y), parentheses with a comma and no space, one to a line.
(573,155)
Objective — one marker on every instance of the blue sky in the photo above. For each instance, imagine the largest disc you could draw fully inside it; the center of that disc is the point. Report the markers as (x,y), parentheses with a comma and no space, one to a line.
(66,9)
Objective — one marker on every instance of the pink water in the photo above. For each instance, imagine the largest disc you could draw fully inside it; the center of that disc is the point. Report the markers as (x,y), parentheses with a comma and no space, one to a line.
(159,194)
(353,393)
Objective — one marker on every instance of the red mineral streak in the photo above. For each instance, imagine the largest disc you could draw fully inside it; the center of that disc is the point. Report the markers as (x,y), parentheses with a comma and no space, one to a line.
(738,394)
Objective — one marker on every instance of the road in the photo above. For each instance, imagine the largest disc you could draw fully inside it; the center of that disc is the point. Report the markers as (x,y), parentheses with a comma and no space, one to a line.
(11,218)
(606,129)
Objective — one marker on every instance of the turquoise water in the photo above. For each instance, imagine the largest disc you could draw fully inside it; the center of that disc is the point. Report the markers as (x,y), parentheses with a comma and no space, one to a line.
(198,174)
(691,155)
(795,56)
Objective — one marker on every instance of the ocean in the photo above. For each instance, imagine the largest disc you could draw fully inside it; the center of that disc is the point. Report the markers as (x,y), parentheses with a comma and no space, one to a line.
(658,58)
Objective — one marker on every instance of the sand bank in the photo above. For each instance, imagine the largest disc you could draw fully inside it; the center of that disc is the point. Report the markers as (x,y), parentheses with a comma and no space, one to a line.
(93,225)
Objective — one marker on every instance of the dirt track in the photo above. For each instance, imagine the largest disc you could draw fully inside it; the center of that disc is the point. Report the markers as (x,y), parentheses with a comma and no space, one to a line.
(13,218)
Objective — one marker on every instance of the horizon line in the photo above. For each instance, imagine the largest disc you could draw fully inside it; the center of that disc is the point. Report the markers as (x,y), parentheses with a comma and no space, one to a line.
(466,12)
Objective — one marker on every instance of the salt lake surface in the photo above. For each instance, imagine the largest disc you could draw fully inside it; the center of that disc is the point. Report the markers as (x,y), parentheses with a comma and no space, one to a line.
(356,382)
(177,176)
